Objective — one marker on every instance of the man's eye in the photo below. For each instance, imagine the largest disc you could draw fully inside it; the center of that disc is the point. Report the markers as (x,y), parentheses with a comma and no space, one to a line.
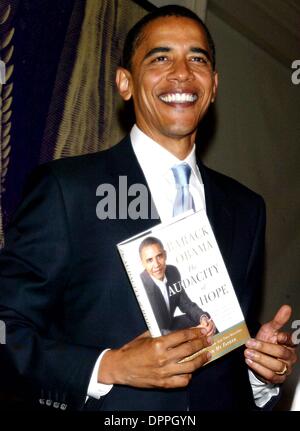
(160,59)
(203,60)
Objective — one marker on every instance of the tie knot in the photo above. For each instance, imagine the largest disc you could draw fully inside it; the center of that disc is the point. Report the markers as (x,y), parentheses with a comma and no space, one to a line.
(182,173)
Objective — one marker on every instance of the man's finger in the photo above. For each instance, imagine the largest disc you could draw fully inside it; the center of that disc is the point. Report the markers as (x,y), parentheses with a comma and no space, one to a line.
(272,364)
(282,316)
(271,349)
(182,336)
(285,338)
(192,365)
(188,349)
(265,373)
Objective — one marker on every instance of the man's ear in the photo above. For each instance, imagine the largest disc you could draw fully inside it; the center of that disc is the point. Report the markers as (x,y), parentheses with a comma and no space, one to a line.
(123,81)
(215,87)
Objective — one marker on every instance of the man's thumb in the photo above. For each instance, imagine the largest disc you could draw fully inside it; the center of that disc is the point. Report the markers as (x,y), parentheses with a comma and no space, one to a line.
(281,317)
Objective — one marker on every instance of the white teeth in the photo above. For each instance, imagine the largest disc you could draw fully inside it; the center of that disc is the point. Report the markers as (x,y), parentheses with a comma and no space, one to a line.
(178,97)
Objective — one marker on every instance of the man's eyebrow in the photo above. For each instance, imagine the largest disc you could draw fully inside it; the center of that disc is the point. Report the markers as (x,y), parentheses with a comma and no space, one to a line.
(201,51)
(161,49)
(157,50)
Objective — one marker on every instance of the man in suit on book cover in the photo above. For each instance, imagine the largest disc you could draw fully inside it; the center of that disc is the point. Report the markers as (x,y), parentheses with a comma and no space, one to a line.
(75,334)
(158,278)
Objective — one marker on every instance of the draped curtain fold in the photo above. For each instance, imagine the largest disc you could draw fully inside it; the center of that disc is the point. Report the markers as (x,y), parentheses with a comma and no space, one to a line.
(83,115)
(6,96)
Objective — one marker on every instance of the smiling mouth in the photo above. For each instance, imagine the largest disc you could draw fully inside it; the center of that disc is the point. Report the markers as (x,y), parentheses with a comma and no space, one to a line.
(178,97)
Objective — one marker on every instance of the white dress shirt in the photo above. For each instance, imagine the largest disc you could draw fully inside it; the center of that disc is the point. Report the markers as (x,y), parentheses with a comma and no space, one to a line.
(162,285)
(156,163)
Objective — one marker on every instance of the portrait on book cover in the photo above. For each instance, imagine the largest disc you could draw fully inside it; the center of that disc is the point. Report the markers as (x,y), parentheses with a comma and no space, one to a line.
(162,283)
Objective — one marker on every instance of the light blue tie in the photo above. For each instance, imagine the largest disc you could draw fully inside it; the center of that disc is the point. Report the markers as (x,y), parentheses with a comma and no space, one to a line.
(184,200)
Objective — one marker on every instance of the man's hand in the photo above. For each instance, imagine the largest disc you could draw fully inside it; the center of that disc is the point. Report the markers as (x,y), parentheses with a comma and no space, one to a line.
(271,355)
(148,362)
(208,324)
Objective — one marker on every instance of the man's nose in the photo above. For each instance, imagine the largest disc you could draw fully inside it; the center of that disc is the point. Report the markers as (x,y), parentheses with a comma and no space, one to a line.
(156,263)
(181,71)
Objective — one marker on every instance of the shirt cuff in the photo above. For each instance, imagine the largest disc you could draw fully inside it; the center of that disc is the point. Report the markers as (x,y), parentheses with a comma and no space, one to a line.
(95,389)
(262,392)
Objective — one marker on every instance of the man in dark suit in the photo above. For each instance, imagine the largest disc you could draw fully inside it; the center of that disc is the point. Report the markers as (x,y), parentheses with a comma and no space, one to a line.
(158,278)
(65,297)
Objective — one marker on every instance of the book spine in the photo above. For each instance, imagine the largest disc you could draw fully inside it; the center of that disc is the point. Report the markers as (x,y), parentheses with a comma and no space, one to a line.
(149,322)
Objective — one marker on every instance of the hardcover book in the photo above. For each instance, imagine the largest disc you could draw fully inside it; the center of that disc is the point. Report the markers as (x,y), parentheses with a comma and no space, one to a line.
(180,280)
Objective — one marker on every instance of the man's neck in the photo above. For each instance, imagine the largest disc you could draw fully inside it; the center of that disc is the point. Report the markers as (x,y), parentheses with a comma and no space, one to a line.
(180,147)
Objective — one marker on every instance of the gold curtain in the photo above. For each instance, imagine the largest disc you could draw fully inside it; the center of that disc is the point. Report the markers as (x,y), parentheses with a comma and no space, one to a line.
(88,121)
(6,87)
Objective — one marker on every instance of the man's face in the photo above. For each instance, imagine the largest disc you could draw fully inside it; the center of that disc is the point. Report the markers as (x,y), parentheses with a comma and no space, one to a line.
(171,80)
(154,260)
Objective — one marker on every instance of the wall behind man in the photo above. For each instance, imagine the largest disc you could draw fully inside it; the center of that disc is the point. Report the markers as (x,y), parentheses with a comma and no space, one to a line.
(256,141)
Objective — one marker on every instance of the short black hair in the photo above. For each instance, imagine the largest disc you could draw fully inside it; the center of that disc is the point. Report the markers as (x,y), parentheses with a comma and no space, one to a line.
(150,240)
(134,35)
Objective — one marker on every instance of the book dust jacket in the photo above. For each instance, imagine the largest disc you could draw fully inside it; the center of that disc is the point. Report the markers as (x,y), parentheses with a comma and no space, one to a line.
(180,280)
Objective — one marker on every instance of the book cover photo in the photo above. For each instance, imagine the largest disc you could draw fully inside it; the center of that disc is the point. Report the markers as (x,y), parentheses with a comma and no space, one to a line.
(180,280)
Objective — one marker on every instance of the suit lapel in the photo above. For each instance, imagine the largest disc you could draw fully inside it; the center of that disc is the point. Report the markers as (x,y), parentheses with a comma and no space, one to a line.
(123,163)
(219,212)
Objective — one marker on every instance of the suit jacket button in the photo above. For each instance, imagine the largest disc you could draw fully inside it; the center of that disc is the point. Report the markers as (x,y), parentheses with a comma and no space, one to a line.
(41,401)
(56,405)
(63,406)
(48,402)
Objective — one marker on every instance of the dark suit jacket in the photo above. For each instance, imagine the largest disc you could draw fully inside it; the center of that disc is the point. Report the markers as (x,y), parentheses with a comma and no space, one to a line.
(164,316)
(65,295)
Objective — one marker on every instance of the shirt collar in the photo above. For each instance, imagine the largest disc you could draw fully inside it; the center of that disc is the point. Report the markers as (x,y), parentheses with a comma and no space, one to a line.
(160,283)
(149,153)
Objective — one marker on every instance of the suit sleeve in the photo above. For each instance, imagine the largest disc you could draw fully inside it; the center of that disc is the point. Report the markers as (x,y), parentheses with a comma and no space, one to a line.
(253,284)
(34,271)
(252,292)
